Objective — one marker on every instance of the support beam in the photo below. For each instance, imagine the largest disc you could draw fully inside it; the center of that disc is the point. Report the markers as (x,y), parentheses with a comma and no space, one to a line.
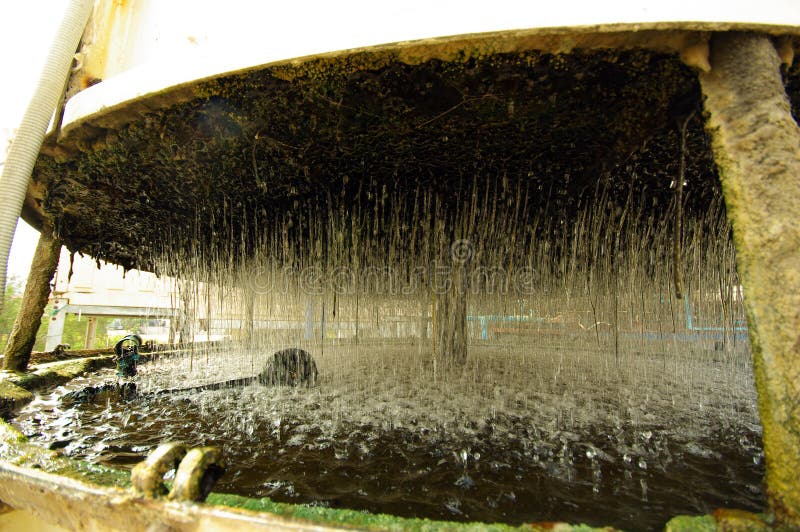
(756,145)
(186,323)
(55,326)
(91,332)
(450,319)
(249,317)
(34,300)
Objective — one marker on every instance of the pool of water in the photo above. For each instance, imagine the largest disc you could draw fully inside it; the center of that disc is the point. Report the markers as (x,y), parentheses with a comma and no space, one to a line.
(521,433)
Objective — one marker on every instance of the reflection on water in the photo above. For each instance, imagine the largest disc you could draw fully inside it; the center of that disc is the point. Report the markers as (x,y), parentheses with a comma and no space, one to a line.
(522,433)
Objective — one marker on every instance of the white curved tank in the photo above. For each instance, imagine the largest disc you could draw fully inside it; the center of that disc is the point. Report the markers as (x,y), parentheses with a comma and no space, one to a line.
(133,49)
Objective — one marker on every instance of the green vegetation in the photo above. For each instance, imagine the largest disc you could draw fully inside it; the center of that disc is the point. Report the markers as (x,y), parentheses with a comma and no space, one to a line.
(74,325)
(11,304)
(60,372)
(109,331)
(75,332)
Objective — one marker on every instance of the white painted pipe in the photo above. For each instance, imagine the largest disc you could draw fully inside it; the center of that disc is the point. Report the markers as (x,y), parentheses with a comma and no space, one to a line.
(25,148)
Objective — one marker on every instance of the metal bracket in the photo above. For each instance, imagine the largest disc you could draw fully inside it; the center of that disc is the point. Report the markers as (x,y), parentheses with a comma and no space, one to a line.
(199,471)
(148,477)
(196,472)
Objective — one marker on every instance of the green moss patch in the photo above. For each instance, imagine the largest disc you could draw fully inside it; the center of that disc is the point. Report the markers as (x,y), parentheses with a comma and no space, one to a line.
(12,397)
(365,520)
(55,373)
(740,521)
(44,357)
(686,523)
(15,449)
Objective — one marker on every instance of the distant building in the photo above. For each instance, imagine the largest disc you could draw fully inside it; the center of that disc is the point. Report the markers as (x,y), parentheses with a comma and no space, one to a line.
(107,291)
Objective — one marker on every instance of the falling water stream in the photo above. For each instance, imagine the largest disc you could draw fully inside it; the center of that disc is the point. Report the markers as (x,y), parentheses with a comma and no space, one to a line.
(589,390)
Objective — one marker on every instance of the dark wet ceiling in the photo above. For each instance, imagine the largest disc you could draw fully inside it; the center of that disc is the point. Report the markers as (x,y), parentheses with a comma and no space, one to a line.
(327,137)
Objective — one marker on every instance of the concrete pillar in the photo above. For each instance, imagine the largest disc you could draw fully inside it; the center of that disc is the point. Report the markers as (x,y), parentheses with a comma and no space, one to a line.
(309,331)
(34,300)
(423,319)
(249,317)
(756,146)
(91,332)
(450,319)
(186,324)
(172,329)
(55,326)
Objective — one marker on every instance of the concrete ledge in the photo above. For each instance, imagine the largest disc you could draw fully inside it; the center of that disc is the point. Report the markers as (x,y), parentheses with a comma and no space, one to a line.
(12,397)
(722,519)
(44,357)
(16,388)
(55,373)
(21,520)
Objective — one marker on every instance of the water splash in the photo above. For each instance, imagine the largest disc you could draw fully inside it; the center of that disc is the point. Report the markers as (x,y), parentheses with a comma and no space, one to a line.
(584,377)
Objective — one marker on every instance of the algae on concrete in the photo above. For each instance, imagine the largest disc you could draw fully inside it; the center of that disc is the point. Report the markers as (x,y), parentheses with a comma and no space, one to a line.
(691,523)
(741,521)
(756,144)
(366,520)
(55,373)
(16,388)
(15,449)
(37,291)
(723,519)
(12,397)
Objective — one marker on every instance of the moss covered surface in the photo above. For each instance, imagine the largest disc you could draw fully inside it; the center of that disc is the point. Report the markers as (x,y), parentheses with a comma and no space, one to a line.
(16,388)
(12,397)
(44,357)
(56,373)
(741,521)
(686,523)
(723,519)
(756,139)
(365,520)
(15,449)
(334,133)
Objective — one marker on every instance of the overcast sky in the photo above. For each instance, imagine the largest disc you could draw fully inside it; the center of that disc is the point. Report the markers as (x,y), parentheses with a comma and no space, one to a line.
(26,32)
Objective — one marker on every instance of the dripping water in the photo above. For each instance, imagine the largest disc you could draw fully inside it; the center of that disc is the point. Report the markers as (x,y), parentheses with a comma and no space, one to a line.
(586,392)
